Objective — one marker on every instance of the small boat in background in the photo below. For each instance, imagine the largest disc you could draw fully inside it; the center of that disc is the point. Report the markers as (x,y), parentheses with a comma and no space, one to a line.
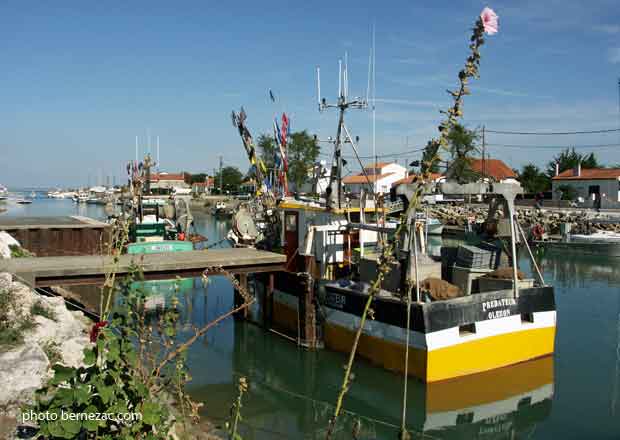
(220,208)
(23,201)
(4,193)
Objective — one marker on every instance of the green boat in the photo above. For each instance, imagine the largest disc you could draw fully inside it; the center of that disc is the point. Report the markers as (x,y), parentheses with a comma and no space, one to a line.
(154,236)
(158,247)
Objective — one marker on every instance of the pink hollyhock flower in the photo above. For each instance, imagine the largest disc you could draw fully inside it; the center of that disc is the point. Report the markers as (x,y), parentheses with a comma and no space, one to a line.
(489,20)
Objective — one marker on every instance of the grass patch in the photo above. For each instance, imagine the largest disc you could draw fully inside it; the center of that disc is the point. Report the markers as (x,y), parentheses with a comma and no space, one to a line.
(13,322)
(38,308)
(19,252)
(52,351)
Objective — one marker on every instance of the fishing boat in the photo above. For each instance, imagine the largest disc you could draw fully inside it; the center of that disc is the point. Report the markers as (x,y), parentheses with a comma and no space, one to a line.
(4,193)
(465,319)
(23,201)
(220,208)
(594,242)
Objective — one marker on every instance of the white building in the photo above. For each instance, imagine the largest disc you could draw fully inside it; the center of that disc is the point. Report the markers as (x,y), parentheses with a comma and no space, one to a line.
(167,183)
(590,184)
(381,175)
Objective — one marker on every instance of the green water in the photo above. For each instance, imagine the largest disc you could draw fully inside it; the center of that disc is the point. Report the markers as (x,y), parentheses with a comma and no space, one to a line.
(291,390)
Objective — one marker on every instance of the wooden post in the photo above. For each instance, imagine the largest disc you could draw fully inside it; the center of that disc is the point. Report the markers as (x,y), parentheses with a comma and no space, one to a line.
(243,281)
(267,306)
(308,314)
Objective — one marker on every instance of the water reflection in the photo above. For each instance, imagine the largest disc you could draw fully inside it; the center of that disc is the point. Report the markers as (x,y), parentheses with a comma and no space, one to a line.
(291,394)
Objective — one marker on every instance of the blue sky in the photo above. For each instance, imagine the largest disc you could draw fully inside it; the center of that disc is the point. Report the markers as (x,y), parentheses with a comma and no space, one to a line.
(79,80)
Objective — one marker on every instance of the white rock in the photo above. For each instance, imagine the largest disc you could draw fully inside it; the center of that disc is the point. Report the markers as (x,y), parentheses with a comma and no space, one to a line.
(5,241)
(22,371)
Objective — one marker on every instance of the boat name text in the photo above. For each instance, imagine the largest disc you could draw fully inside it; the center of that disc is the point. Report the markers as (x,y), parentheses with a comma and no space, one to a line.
(503,304)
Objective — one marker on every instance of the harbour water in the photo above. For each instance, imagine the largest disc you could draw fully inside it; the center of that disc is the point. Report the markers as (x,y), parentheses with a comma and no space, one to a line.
(575,394)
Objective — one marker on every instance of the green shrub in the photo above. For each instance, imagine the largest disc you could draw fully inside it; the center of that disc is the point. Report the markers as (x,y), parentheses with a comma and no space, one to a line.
(13,322)
(52,351)
(19,252)
(38,308)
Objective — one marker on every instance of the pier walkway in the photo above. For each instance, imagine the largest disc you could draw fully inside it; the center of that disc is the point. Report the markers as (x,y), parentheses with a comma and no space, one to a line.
(91,269)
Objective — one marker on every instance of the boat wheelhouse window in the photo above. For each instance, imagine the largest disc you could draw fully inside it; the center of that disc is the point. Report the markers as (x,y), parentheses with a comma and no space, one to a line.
(290,222)
(467,329)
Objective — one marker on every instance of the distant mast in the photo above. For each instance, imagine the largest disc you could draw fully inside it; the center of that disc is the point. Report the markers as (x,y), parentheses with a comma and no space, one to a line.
(333,196)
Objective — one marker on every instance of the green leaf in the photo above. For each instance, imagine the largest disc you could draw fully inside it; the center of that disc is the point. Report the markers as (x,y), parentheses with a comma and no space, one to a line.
(82,394)
(62,374)
(89,356)
(151,413)
(64,397)
(55,428)
(90,425)
(71,428)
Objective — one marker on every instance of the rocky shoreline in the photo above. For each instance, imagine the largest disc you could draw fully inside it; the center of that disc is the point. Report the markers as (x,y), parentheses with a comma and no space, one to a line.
(50,334)
(581,221)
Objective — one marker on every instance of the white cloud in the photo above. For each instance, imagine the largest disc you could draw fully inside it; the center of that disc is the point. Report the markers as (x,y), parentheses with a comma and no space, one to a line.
(614,55)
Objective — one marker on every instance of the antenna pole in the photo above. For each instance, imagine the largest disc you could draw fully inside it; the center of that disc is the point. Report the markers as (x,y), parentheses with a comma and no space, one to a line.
(374,96)
(158,168)
(346,75)
(339,78)
(318,85)
(136,149)
(221,162)
(334,192)
(484,149)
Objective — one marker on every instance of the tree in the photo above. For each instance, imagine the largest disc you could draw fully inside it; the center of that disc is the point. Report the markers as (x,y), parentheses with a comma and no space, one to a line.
(195,178)
(569,158)
(533,179)
(567,192)
(267,150)
(428,163)
(462,142)
(302,152)
(231,179)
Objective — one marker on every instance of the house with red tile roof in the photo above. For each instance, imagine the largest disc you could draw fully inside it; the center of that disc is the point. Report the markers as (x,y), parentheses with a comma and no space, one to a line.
(203,187)
(380,176)
(168,183)
(590,184)
(435,177)
(493,168)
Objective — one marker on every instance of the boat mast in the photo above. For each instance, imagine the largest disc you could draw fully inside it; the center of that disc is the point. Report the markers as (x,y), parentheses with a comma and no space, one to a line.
(334,190)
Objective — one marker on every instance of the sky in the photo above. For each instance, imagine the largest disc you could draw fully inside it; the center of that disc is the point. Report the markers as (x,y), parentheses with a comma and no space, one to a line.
(80,80)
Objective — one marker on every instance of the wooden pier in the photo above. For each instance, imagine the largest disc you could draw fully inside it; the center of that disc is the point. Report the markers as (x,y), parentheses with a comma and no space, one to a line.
(91,269)
(55,236)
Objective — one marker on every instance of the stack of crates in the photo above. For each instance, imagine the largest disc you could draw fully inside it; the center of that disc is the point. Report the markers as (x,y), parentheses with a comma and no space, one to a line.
(482,256)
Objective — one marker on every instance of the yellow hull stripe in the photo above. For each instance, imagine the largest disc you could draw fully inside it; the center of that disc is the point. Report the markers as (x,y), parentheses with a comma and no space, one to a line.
(449,362)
